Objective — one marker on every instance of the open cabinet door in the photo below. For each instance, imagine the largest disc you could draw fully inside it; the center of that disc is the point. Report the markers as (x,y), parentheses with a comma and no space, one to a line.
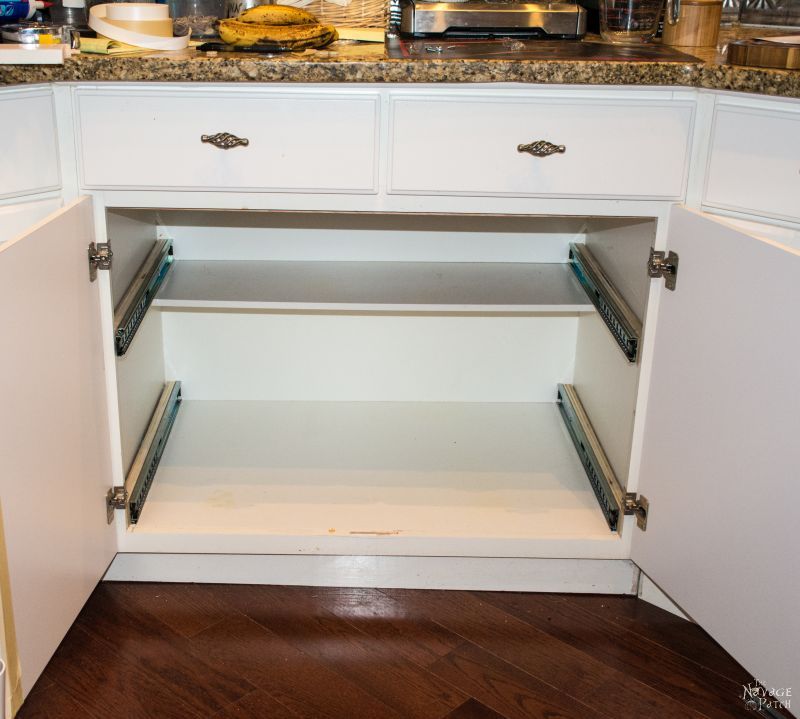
(54,449)
(721,461)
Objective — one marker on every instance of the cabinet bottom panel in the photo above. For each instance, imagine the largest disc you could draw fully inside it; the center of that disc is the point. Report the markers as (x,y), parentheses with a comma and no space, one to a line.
(371,477)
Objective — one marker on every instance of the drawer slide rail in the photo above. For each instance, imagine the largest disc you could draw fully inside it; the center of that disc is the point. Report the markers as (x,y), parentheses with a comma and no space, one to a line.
(620,319)
(607,488)
(143,470)
(134,305)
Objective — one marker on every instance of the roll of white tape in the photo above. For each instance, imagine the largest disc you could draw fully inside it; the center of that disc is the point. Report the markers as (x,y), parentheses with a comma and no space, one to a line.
(102,24)
(136,11)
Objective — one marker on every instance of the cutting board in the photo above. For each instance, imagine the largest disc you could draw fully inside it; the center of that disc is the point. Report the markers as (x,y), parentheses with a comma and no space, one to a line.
(765,53)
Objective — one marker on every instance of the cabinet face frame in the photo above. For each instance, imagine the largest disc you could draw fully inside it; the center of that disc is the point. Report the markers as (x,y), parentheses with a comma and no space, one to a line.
(487,546)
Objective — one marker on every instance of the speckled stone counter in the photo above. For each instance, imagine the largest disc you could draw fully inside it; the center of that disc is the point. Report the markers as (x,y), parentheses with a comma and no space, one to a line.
(371,63)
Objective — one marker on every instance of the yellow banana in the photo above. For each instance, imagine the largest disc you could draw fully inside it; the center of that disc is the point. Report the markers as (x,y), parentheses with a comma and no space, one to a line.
(318,42)
(277,15)
(294,37)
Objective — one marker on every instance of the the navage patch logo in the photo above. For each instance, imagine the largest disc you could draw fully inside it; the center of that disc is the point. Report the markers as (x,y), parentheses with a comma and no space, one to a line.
(757,698)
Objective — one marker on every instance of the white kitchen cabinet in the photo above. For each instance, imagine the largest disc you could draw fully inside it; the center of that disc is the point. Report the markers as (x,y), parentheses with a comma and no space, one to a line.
(290,438)
(327,409)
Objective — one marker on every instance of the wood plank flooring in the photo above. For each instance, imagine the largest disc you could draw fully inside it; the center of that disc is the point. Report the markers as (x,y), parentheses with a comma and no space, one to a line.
(191,651)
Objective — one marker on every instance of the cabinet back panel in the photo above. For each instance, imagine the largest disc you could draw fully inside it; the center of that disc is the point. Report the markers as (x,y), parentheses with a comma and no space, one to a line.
(233,356)
(374,237)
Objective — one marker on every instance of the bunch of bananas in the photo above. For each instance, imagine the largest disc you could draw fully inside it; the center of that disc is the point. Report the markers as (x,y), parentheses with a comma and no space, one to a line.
(289,27)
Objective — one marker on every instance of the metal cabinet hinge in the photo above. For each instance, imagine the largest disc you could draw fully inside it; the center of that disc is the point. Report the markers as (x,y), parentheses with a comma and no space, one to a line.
(100,256)
(116,498)
(637,505)
(663,264)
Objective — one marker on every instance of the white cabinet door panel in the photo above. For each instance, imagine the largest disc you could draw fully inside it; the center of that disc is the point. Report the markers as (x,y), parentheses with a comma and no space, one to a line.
(468,145)
(29,162)
(54,449)
(722,444)
(754,164)
(312,142)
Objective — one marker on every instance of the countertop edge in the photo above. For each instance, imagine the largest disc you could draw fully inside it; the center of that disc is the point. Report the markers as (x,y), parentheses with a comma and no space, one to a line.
(365,64)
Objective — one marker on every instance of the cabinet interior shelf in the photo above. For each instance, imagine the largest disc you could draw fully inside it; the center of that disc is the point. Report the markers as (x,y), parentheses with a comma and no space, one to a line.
(426,287)
(412,469)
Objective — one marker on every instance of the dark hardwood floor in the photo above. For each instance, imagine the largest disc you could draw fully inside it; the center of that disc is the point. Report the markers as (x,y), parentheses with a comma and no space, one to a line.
(188,651)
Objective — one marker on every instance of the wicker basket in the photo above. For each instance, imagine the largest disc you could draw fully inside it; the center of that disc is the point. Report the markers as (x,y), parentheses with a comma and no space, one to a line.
(359,13)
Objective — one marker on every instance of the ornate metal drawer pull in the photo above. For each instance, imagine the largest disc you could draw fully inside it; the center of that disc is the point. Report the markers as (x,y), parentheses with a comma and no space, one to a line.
(224,140)
(542,148)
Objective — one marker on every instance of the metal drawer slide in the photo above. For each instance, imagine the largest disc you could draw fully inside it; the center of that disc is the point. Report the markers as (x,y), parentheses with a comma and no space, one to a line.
(143,470)
(620,319)
(601,476)
(137,299)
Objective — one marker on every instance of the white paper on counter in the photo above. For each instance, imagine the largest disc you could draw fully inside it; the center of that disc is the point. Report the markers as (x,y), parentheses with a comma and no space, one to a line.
(30,54)
(362,34)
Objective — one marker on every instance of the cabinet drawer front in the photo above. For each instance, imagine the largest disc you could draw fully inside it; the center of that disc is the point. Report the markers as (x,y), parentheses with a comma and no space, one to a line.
(30,146)
(468,146)
(314,142)
(754,164)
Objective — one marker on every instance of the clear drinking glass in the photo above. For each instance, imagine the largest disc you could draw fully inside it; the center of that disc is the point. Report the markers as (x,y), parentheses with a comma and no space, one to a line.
(198,16)
(629,22)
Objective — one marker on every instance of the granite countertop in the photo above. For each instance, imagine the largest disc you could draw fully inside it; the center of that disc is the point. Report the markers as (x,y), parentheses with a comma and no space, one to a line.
(361,62)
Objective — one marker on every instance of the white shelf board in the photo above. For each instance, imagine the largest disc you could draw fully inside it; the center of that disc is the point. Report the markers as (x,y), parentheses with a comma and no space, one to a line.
(466,472)
(495,287)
